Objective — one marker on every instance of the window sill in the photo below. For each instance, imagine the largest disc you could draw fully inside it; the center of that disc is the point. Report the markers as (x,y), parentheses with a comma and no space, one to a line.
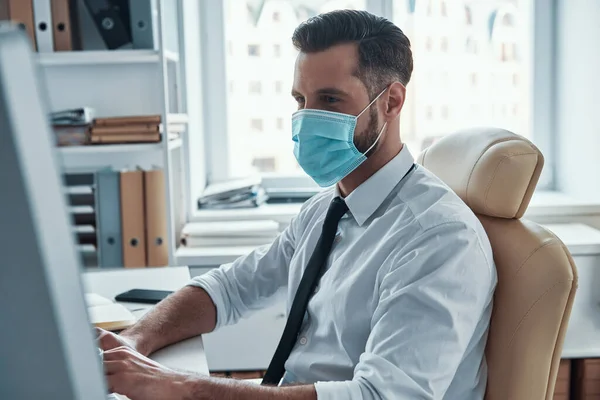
(543,204)
(579,238)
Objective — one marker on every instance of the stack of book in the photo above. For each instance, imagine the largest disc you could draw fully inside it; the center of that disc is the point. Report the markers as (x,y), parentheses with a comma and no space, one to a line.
(133,129)
(71,126)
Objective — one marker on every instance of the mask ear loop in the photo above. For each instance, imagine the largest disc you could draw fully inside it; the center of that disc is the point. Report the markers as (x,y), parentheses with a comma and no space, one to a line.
(376,140)
(384,125)
(371,103)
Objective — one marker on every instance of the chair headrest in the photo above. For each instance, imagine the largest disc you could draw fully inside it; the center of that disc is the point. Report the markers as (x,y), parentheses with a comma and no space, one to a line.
(493,170)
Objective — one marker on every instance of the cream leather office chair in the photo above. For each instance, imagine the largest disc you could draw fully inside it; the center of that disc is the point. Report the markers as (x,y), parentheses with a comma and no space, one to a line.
(495,172)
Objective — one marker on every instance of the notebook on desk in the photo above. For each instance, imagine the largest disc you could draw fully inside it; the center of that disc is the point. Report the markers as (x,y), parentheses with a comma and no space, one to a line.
(108,315)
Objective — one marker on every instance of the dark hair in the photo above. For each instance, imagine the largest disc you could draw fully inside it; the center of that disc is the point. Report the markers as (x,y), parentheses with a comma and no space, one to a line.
(384,53)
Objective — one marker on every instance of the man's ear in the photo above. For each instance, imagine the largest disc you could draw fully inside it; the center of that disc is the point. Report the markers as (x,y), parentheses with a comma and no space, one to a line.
(395,100)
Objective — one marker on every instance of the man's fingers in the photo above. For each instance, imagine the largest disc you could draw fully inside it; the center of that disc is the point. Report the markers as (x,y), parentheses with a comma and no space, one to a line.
(118,353)
(115,367)
(120,382)
(108,340)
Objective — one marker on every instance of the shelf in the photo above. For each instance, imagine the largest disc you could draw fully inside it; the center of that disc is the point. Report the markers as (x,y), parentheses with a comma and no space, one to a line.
(117,156)
(103,57)
(109,148)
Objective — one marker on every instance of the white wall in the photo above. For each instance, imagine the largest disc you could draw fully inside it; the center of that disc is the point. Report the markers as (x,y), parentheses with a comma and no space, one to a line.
(578,104)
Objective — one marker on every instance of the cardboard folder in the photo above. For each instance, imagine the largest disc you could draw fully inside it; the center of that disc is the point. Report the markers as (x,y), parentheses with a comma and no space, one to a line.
(132,219)
(21,11)
(4,10)
(157,243)
(65,25)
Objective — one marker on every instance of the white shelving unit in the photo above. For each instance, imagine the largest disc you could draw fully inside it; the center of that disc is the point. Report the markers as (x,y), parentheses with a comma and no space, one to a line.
(96,57)
(122,83)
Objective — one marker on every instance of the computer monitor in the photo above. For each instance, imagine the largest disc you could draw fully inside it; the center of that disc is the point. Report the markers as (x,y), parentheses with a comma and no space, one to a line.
(47,348)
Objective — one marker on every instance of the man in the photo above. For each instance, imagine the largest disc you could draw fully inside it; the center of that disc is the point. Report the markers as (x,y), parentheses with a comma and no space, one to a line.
(390,276)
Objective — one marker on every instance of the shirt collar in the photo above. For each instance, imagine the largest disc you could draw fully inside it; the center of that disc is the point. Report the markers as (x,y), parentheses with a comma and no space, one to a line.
(367,198)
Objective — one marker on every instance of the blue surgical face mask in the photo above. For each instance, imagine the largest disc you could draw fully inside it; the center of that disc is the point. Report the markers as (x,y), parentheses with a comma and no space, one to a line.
(324,143)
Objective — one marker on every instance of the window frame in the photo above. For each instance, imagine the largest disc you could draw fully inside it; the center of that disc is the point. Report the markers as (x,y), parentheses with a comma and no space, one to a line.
(215,93)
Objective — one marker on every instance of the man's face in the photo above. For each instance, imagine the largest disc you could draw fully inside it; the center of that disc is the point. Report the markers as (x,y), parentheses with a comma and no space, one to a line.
(327,81)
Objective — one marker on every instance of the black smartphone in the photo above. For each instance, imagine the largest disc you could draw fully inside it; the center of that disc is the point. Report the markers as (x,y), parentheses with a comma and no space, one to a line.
(146,296)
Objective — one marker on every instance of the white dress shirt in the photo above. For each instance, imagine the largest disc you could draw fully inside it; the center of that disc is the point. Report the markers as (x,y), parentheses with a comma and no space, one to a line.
(403,307)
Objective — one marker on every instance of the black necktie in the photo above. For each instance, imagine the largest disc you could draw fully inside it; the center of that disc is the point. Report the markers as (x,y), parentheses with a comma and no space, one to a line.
(309,280)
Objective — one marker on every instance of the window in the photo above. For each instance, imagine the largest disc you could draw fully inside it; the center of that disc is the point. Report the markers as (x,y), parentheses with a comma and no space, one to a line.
(473,79)
(444,112)
(472,46)
(444,44)
(268,96)
(508,52)
(444,79)
(255,87)
(478,52)
(264,164)
(508,20)
(428,43)
(488,52)
(253,50)
(278,87)
(468,16)
(256,124)
(429,113)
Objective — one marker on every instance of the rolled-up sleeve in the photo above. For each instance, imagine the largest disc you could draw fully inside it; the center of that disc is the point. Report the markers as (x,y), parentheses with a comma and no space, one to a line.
(246,284)
(430,302)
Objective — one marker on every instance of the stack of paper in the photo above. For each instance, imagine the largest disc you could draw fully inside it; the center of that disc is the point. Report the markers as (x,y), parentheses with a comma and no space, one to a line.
(233,233)
(108,315)
(242,193)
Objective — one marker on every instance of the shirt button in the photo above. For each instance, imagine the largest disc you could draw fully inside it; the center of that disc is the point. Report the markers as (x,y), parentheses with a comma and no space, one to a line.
(303,340)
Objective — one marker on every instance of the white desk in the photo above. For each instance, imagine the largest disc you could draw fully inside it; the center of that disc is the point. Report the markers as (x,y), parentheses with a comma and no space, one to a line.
(187,355)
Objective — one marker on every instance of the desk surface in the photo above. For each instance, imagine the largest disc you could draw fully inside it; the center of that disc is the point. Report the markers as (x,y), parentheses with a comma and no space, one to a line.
(187,355)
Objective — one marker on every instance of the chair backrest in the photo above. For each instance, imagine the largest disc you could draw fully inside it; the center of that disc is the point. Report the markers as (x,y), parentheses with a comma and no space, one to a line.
(495,173)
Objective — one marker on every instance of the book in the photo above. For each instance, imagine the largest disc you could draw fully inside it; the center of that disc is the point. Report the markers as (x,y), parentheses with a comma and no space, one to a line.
(71,135)
(124,129)
(127,138)
(107,315)
(128,120)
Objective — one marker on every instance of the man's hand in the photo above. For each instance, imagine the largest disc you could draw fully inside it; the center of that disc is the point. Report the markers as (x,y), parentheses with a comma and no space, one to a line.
(139,378)
(108,340)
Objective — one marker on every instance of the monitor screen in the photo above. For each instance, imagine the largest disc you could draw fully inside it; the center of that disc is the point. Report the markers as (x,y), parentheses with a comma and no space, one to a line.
(47,347)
